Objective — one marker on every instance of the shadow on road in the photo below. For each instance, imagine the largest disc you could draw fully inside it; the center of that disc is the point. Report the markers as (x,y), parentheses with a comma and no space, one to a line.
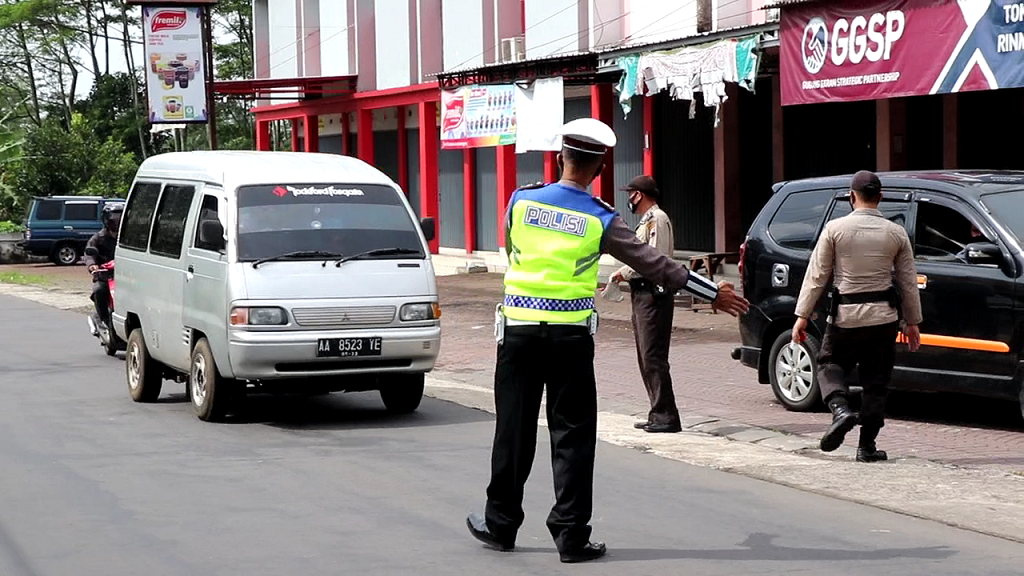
(759,547)
(955,410)
(352,411)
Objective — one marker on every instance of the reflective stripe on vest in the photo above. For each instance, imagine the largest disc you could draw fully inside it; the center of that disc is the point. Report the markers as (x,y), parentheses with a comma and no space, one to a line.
(553,263)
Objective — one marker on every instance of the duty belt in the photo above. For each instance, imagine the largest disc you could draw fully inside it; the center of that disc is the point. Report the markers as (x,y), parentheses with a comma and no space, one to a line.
(889,295)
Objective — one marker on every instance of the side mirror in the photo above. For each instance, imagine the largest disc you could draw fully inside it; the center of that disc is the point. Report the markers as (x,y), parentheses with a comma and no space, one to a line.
(91,251)
(429,228)
(211,233)
(983,253)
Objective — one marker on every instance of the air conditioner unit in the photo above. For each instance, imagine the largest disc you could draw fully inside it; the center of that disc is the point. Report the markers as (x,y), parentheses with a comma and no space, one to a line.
(512,50)
(772,15)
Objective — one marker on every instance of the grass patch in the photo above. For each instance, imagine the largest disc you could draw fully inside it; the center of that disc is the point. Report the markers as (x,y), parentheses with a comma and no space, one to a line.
(23,279)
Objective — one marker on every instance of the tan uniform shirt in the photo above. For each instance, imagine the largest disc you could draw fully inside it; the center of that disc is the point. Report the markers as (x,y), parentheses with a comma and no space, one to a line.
(860,250)
(655,229)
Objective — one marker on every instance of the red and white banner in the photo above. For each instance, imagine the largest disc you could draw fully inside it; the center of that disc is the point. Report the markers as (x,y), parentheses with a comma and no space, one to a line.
(873,49)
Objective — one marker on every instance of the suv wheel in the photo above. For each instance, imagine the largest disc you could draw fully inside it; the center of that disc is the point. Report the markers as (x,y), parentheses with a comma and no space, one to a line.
(794,372)
(64,255)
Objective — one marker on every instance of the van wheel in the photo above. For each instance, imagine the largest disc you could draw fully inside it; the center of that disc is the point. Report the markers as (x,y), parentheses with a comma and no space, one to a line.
(402,394)
(1022,402)
(793,372)
(209,393)
(143,373)
(64,254)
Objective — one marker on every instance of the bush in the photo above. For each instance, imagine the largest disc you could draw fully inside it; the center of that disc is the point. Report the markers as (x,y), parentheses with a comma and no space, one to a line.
(7,227)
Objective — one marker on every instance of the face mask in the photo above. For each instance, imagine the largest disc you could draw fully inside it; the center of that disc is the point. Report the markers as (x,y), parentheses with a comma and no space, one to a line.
(634,202)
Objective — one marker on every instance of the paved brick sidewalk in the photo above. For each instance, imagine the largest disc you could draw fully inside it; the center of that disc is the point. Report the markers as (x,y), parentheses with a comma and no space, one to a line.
(950,429)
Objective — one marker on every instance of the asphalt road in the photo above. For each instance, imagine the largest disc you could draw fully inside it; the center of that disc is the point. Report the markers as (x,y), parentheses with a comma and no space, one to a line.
(92,484)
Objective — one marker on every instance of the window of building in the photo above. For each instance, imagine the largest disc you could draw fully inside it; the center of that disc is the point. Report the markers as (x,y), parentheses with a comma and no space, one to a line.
(80,211)
(49,210)
(942,233)
(796,222)
(138,215)
(208,211)
(169,227)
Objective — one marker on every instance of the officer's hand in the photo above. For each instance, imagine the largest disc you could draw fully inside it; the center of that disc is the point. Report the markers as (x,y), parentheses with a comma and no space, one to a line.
(913,338)
(729,301)
(800,331)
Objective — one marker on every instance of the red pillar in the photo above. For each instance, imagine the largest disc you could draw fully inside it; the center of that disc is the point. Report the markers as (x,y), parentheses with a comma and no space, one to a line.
(403,152)
(602,108)
(429,144)
(649,136)
(364,135)
(262,135)
(346,133)
(295,135)
(506,185)
(550,167)
(469,198)
(311,134)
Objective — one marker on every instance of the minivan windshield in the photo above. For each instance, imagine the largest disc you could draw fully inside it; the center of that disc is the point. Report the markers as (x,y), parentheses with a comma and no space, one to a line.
(341,219)
(1008,209)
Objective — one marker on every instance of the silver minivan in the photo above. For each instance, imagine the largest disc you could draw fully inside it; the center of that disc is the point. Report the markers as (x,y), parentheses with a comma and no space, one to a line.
(274,272)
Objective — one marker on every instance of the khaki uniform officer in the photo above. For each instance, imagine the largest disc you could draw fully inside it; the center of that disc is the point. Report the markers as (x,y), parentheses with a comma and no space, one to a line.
(859,252)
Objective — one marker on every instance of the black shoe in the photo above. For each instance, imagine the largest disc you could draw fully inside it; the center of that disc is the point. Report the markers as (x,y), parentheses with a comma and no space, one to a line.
(663,428)
(843,420)
(871,454)
(641,425)
(591,551)
(478,528)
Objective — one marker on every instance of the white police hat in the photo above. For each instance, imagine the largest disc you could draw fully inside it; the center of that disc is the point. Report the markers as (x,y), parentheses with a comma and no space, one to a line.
(588,135)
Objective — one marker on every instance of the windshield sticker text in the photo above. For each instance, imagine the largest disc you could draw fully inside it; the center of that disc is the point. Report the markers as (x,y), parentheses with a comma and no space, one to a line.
(282,191)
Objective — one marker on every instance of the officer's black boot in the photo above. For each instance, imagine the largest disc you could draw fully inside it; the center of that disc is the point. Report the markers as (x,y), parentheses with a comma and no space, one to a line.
(843,420)
(867,451)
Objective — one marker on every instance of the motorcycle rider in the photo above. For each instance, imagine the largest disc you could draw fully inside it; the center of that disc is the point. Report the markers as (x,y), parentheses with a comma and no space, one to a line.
(104,241)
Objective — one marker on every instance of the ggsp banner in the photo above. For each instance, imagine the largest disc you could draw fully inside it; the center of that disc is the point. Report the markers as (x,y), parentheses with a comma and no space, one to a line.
(872,49)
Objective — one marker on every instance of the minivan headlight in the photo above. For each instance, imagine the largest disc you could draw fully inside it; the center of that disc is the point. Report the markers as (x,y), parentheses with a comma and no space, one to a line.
(420,312)
(258,316)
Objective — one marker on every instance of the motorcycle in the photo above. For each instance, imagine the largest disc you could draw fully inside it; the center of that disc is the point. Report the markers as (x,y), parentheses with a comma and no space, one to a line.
(108,338)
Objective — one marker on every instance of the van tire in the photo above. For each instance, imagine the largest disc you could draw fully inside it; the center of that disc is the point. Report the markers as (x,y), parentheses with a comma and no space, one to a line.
(144,375)
(209,393)
(402,394)
(807,354)
(64,254)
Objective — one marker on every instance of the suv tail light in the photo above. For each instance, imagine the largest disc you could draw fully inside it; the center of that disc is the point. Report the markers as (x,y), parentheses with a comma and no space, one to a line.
(743,254)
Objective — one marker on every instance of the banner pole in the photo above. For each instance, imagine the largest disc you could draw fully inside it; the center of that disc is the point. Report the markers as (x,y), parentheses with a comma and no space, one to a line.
(211,105)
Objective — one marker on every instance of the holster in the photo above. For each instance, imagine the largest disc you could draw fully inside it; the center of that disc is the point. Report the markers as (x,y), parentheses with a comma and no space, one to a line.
(890,295)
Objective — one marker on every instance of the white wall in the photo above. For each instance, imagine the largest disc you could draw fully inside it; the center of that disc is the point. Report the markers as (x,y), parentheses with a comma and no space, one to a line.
(657,20)
(463,36)
(285,47)
(335,28)
(553,26)
(392,43)
(608,22)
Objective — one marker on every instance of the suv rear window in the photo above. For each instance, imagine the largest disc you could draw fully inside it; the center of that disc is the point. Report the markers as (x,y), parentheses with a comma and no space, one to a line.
(796,221)
(80,211)
(49,210)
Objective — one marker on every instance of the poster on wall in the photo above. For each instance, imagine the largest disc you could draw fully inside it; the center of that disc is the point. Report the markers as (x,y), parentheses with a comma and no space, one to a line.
(175,78)
(872,49)
(478,116)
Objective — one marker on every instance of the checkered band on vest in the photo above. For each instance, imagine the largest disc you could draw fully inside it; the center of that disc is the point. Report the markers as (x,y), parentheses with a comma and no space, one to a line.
(549,304)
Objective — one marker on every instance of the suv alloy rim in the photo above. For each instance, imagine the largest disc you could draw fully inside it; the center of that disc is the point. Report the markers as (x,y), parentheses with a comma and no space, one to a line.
(794,372)
(67,254)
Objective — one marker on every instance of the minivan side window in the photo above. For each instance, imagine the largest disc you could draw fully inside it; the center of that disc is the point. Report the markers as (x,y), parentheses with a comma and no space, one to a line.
(49,210)
(208,211)
(80,211)
(138,216)
(169,227)
(795,224)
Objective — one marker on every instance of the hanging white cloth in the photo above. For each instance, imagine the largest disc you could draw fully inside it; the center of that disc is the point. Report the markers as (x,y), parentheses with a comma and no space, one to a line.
(540,112)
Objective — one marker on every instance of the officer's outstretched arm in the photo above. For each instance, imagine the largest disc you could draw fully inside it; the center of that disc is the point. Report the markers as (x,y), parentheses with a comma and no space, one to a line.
(622,243)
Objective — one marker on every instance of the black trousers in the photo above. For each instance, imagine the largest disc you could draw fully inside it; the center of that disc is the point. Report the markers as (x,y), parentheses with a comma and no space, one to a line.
(101,298)
(652,329)
(562,358)
(873,350)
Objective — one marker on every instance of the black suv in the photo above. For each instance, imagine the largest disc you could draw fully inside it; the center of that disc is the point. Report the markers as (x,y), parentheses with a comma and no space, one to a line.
(967,229)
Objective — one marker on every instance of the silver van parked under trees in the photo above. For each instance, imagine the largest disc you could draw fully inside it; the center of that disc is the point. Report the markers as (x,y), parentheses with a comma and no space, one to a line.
(274,272)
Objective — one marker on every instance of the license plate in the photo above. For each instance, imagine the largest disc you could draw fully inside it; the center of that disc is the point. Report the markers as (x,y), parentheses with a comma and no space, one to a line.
(347,347)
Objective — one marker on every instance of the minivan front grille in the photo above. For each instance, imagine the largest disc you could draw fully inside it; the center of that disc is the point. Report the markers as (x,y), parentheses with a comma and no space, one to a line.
(344,316)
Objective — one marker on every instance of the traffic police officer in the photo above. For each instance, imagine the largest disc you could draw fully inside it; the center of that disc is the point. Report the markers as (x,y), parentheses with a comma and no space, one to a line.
(859,253)
(555,235)
(653,308)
